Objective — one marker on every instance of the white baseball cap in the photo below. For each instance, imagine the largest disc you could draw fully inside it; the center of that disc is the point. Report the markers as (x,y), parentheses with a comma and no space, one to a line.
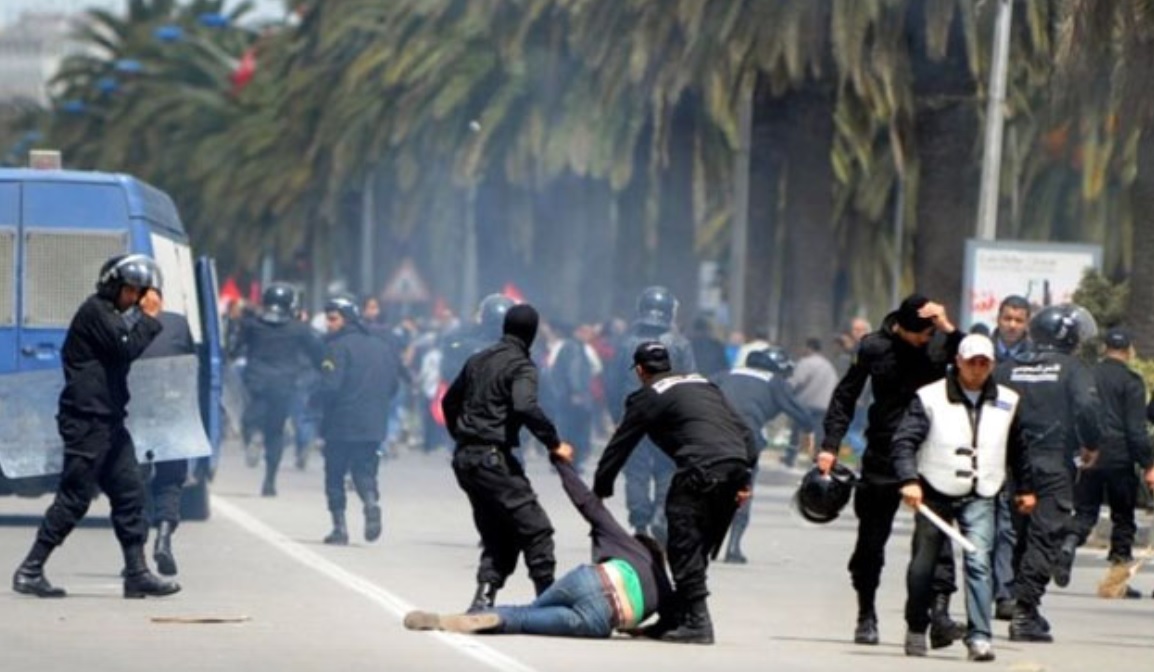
(976,345)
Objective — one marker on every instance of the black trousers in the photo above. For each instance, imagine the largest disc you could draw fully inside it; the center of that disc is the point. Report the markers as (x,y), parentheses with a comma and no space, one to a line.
(1118,487)
(876,504)
(507,514)
(647,465)
(98,455)
(271,409)
(1040,534)
(359,458)
(164,490)
(699,509)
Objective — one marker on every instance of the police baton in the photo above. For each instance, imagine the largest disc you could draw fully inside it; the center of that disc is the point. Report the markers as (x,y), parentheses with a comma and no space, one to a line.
(947,529)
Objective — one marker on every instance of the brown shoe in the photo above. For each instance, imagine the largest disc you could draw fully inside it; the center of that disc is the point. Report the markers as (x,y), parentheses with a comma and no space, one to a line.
(425,620)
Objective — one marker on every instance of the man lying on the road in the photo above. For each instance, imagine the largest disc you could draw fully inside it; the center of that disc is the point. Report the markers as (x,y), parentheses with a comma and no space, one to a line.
(627,585)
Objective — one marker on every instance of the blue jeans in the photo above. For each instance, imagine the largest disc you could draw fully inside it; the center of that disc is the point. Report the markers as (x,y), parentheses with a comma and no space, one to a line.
(1004,541)
(975,516)
(574,606)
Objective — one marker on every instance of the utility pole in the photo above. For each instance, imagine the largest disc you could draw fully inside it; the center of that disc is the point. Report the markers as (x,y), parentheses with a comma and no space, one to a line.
(987,228)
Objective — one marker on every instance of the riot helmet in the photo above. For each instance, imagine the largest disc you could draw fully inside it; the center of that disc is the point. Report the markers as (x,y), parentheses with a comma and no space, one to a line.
(656,307)
(131,270)
(279,301)
(346,305)
(491,314)
(820,497)
(1062,327)
(774,359)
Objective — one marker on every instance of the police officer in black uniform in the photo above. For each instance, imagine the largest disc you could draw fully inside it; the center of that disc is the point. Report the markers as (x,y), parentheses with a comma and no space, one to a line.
(688,418)
(759,393)
(279,349)
(168,477)
(649,471)
(1059,417)
(110,330)
(485,407)
(913,348)
(360,375)
(1124,444)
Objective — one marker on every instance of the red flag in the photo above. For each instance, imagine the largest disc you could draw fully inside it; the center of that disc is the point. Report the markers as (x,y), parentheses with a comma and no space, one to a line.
(244,71)
(230,291)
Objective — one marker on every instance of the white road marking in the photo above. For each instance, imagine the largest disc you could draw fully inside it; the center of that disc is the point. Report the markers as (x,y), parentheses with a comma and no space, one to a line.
(383,598)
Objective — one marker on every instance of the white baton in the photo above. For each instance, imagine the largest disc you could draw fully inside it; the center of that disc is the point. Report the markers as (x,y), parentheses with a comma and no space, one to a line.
(948,529)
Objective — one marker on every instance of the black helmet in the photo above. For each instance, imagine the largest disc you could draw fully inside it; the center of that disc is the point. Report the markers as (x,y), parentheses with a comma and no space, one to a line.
(820,497)
(1063,327)
(656,307)
(132,270)
(774,359)
(279,301)
(491,314)
(346,305)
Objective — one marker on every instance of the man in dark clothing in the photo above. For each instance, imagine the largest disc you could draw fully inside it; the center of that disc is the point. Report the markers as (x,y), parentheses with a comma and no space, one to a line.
(566,392)
(627,584)
(360,375)
(280,350)
(110,330)
(912,349)
(708,350)
(485,407)
(759,393)
(1124,443)
(649,471)
(1058,414)
(168,477)
(688,418)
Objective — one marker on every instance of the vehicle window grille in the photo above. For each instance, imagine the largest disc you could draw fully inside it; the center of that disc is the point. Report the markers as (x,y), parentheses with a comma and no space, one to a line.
(7,278)
(60,269)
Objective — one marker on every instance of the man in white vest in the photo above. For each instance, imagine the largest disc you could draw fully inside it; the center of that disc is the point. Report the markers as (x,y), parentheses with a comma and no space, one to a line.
(951,452)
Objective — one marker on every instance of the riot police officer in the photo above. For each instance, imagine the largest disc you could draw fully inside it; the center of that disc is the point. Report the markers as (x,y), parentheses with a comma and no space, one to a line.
(759,392)
(649,471)
(1058,413)
(110,330)
(279,349)
(360,375)
(689,419)
(468,340)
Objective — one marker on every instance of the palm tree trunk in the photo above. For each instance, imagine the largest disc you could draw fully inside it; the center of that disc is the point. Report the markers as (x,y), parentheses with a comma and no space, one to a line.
(1141,301)
(766,164)
(676,255)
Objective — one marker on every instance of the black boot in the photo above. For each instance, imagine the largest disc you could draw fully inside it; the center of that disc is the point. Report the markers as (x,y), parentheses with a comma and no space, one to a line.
(162,551)
(373,527)
(139,582)
(943,629)
(866,631)
(485,598)
(542,584)
(695,627)
(1028,625)
(29,578)
(268,488)
(1065,562)
(340,534)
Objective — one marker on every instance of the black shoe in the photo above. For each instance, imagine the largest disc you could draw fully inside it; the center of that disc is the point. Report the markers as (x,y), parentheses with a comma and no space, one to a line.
(373,527)
(28,581)
(146,584)
(484,598)
(944,630)
(1029,626)
(340,534)
(696,627)
(735,557)
(1132,594)
(268,489)
(162,552)
(916,644)
(1004,611)
(1065,562)
(866,631)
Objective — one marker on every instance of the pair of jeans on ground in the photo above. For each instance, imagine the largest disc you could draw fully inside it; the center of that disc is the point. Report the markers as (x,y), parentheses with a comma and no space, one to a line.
(574,606)
(975,517)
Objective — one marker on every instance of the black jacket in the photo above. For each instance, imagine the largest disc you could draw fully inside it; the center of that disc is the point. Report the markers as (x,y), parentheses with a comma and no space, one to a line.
(760,396)
(360,375)
(915,427)
(1122,393)
(1059,409)
(174,340)
(610,540)
(896,371)
(98,350)
(620,381)
(494,396)
(278,354)
(688,418)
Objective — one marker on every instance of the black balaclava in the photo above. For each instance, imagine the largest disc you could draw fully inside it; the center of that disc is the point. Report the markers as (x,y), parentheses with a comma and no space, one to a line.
(521,321)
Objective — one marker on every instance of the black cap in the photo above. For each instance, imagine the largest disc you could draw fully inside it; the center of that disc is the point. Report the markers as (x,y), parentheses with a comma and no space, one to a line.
(652,356)
(1117,339)
(908,317)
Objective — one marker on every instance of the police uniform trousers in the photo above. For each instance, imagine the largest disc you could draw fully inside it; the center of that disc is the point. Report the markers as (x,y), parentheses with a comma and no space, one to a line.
(507,514)
(699,510)
(98,454)
(1118,487)
(164,489)
(648,474)
(1041,533)
(357,458)
(875,504)
(271,409)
